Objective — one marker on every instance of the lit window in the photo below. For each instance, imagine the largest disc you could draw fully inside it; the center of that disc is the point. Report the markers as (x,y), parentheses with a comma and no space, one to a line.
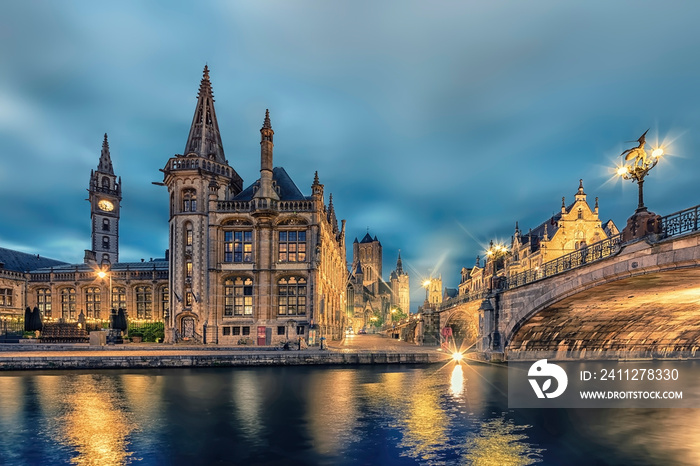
(43,299)
(292,246)
(118,297)
(165,301)
(291,296)
(189,299)
(188,235)
(6,297)
(68,303)
(188,268)
(92,302)
(238,246)
(144,307)
(238,297)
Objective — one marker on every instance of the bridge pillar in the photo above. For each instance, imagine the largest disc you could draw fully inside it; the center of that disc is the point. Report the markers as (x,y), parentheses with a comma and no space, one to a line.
(489,339)
(431,328)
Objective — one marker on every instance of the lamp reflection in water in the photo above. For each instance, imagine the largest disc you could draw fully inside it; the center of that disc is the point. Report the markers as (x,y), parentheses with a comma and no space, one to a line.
(457,381)
(91,418)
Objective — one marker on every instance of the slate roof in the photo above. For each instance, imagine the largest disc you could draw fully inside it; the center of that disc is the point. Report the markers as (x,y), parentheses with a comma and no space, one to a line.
(451,292)
(158,264)
(23,262)
(288,191)
(367,239)
(538,232)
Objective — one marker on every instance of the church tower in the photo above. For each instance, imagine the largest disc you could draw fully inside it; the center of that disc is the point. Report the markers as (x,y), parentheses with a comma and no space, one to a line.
(197,180)
(400,291)
(105,195)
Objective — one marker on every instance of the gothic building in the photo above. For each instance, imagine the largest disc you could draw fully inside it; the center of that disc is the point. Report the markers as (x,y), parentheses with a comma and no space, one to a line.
(369,297)
(245,266)
(575,226)
(256,265)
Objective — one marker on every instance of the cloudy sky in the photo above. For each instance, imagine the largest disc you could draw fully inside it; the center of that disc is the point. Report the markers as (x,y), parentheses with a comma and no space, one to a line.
(435,124)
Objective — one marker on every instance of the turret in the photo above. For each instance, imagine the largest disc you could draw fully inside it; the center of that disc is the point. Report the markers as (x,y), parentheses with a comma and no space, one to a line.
(266,189)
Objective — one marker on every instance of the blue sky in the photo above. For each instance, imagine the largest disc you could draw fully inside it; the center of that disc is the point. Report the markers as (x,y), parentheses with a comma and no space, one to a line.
(435,124)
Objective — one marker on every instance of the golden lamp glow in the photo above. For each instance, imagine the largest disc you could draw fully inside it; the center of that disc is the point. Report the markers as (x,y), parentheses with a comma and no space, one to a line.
(621,170)
(457,356)
(101,274)
(658,152)
(426,283)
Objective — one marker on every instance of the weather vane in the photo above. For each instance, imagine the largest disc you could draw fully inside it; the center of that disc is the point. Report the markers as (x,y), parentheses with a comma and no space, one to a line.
(641,164)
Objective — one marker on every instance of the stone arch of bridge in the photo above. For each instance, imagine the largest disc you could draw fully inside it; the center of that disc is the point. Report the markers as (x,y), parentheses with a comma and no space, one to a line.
(648,314)
(465,327)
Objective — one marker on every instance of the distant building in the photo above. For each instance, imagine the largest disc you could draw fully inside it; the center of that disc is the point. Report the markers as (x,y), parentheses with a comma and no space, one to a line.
(574,227)
(370,298)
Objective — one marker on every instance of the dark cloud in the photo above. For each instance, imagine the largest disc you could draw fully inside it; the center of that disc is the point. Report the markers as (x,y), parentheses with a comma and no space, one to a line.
(438,125)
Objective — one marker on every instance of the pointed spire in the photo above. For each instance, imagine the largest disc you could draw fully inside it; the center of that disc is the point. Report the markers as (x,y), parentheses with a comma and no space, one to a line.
(266,147)
(478,261)
(316,182)
(204,139)
(516,227)
(266,123)
(105,165)
(399,264)
(596,205)
(580,186)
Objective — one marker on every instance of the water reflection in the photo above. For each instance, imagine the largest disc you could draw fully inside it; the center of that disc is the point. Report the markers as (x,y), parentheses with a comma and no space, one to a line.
(499,442)
(88,414)
(457,380)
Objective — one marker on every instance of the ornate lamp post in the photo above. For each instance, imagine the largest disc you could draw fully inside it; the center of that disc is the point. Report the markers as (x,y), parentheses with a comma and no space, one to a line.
(102,274)
(642,223)
(641,164)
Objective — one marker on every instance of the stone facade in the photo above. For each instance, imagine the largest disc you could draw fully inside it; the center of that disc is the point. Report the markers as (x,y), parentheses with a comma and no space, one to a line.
(259,265)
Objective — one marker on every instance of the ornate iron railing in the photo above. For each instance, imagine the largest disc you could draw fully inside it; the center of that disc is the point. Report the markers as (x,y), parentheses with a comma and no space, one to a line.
(587,255)
(680,222)
(463,298)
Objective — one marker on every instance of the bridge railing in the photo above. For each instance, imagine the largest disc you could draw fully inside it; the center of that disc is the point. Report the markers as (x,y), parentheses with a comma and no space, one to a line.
(591,253)
(680,222)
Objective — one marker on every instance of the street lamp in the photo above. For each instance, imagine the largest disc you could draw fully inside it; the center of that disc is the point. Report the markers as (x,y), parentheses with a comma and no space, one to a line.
(640,166)
(426,285)
(102,274)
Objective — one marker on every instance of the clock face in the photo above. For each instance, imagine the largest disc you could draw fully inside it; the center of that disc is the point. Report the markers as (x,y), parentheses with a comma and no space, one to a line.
(105,205)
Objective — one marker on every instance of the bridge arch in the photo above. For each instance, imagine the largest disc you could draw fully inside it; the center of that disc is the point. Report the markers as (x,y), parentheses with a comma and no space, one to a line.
(645,299)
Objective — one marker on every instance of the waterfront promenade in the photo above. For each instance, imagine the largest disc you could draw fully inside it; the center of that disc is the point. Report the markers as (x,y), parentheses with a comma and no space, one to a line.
(359,349)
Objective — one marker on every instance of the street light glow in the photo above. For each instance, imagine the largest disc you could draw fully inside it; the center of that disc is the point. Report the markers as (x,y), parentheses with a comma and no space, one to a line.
(621,170)
(658,152)
(102,274)
(426,283)
(457,356)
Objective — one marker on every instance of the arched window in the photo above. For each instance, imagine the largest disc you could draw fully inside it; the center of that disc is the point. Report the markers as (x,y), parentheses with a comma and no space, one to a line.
(188,268)
(105,224)
(144,304)
(291,296)
(105,242)
(189,200)
(118,297)
(580,213)
(238,297)
(43,299)
(105,182)
(68,303)
(92,302)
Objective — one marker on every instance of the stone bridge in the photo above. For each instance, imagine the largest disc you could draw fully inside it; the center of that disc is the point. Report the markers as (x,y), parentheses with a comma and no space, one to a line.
(634,298)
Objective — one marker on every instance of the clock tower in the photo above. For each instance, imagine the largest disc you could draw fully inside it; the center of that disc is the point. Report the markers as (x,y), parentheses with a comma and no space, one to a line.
(105,195)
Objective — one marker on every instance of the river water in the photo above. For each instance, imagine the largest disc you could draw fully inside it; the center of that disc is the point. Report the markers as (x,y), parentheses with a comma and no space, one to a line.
(390,414)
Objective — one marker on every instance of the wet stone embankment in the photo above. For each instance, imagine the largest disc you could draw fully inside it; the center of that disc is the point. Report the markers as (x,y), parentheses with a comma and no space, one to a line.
(130,357)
